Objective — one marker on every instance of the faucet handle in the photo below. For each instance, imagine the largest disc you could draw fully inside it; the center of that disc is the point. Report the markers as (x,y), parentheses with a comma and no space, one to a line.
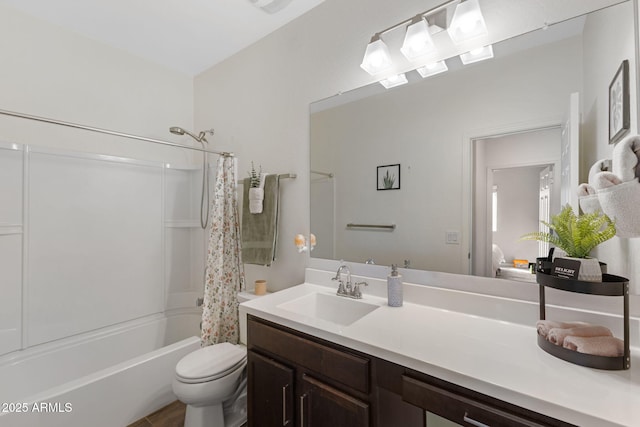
(356,293)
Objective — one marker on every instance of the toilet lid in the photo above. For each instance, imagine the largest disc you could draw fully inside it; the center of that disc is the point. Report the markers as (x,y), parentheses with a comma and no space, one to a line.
(210,363)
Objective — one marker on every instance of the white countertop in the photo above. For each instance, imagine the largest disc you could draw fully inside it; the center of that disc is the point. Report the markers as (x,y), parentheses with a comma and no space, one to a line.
(483,353)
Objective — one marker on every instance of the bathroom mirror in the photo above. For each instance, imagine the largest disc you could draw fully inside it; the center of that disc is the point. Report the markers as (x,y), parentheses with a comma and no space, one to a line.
(439,130)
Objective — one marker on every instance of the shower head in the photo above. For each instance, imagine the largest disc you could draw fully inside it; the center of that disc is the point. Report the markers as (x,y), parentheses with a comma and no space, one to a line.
(176,130)
(200,138)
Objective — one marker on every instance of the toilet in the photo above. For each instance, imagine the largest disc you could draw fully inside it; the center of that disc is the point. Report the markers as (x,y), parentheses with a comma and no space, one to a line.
(212,382)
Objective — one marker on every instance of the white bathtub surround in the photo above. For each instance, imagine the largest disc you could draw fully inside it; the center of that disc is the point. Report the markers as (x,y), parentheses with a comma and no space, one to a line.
(111,377)
(481,342)
(225,273)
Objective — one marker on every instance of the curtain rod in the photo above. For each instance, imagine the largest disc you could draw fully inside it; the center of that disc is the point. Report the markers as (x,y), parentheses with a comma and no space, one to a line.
(109,132)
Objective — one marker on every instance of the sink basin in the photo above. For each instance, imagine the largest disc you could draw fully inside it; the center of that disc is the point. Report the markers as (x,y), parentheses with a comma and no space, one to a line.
(340,310)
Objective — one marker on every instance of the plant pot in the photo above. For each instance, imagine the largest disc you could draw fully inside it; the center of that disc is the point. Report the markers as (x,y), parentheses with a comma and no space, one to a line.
(589,269)
(256,196)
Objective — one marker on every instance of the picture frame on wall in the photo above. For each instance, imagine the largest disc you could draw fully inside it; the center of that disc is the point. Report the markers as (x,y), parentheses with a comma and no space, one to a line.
(619,117)
(388,177)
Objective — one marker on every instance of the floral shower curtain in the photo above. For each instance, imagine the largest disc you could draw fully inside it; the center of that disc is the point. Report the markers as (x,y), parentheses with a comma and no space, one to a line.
(224,271)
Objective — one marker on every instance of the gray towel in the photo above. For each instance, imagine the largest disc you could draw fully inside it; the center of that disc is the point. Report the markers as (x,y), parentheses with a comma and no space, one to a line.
(260,231)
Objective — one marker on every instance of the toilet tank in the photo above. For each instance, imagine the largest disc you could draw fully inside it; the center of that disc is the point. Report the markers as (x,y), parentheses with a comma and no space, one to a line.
(244,297)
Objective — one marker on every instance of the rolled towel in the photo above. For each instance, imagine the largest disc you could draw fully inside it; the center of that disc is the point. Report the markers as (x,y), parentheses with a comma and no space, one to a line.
(558,335)
(544,326)
(602,165)
(588,199)
(604,180)
(626,158)
(597,346)
(585,190)
(620,202)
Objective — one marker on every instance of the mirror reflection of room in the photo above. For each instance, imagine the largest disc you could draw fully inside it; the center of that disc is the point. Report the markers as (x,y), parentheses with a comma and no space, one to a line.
(515,189)
(430,126)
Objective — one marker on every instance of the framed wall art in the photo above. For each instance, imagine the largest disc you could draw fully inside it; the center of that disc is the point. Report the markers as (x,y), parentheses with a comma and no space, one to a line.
(619,120)
(388,177)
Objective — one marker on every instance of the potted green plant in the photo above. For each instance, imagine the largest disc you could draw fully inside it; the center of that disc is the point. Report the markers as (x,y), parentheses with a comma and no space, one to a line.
(254,176)
(577,236)
(256,190)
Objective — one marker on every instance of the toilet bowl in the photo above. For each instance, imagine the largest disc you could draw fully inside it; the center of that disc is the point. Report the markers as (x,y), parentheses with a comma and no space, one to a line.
(211,381)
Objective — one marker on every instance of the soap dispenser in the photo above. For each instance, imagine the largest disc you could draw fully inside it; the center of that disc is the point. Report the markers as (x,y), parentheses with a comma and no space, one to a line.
(394,288)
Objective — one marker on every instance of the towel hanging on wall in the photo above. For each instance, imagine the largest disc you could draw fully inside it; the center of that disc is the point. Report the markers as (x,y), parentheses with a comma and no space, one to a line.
(619,190)
(260,231)
(587,195)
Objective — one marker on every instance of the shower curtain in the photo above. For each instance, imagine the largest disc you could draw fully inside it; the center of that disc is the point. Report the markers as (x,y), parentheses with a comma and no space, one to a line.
(224,271)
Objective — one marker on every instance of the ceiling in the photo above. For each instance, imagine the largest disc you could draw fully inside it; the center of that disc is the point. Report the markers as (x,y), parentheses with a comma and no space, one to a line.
(186,35)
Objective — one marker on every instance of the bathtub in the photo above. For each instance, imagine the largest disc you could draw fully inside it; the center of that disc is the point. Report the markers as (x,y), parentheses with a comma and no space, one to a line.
(108,378)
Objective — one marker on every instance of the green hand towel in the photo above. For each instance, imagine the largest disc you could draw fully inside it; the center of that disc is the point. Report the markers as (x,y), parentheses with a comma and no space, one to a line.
(260,231)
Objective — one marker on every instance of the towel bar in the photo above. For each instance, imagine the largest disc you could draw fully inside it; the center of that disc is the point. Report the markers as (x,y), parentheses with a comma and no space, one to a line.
(327,174)
(281,176)
(383,226)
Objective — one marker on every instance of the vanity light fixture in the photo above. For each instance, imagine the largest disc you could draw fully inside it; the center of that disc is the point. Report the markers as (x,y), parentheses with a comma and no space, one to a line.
(477,55)
(417,40)
(432,69)
(393,81)
(376,57)
(467,23)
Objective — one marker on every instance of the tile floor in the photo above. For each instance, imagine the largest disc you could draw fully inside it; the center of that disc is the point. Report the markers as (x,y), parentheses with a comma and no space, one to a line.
(171,415)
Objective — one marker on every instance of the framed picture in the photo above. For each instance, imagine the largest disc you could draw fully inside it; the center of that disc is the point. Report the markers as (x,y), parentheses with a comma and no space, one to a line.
(619,103)
(388,177)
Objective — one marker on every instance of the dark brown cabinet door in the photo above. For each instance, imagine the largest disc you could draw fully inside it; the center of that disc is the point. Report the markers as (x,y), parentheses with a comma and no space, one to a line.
(270,392)
(321,405)
(462,410)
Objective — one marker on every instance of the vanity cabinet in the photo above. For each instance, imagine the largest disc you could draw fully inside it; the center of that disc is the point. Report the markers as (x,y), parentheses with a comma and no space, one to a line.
(270,391)
(324,406)
(296,381)
(457,408)
(301,381)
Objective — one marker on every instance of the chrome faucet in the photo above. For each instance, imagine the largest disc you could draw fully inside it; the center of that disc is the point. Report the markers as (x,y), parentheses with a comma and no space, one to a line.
(356,293)
(343,289)
(348,289)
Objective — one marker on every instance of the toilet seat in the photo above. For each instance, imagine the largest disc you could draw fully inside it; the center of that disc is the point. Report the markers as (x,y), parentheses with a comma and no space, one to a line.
(210,363)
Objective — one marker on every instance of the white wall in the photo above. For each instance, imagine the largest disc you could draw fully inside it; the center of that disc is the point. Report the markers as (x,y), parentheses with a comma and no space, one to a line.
(51,72)
(518,195)
(611,45)
(258,101)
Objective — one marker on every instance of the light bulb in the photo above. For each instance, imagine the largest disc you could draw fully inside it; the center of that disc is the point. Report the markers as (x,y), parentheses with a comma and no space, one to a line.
(376,57)
(467,22)
(417,40)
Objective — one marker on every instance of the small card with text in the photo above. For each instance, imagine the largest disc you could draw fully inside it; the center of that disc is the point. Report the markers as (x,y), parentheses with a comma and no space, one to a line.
(566,268)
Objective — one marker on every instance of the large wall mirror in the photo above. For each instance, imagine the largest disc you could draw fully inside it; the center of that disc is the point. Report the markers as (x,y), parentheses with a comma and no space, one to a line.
(475,146)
